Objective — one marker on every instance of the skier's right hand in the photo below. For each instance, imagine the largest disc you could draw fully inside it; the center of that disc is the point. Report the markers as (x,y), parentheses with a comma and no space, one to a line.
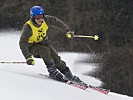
(30,61)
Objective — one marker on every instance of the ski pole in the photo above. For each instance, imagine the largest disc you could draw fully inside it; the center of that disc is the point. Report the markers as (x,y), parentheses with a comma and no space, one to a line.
(14,62)
(95,37)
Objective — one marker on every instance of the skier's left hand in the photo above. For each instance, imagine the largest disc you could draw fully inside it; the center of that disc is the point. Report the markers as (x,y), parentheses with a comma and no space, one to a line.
(70,34)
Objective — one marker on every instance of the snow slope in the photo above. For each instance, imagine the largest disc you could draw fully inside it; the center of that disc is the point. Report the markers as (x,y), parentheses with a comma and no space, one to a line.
(23,82)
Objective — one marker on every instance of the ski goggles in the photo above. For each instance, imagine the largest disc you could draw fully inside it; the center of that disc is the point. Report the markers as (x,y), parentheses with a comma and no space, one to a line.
(38,17)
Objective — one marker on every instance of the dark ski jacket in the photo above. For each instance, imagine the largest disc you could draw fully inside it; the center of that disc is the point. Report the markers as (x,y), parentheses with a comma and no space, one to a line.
(27,33)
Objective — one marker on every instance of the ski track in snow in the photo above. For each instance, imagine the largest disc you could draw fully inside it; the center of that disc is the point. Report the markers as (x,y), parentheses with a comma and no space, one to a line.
(23,82)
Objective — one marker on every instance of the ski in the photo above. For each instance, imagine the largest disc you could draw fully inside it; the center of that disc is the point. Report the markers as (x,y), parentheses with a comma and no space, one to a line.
(104,91)
(77,85)
(101,90)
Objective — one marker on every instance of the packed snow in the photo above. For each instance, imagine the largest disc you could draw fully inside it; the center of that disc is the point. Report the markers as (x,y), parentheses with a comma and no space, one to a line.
(23,82)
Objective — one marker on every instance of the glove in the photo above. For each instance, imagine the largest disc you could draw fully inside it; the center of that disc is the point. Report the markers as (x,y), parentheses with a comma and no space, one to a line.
(70,34)
(30,61)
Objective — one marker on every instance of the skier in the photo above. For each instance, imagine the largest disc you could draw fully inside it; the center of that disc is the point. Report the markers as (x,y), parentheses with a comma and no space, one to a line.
(34,43)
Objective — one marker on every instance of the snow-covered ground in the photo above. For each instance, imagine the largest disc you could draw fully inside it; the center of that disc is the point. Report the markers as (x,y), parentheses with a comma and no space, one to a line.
(23,82)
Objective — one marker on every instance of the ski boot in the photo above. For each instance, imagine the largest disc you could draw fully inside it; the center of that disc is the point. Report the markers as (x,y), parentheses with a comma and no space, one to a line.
(54,73)
(73,78)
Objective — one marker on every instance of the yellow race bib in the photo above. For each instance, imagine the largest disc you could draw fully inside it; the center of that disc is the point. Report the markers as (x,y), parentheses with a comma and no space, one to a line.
(38,33)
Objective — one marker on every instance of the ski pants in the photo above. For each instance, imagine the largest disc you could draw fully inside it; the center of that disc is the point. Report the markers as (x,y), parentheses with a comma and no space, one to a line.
(48,54)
